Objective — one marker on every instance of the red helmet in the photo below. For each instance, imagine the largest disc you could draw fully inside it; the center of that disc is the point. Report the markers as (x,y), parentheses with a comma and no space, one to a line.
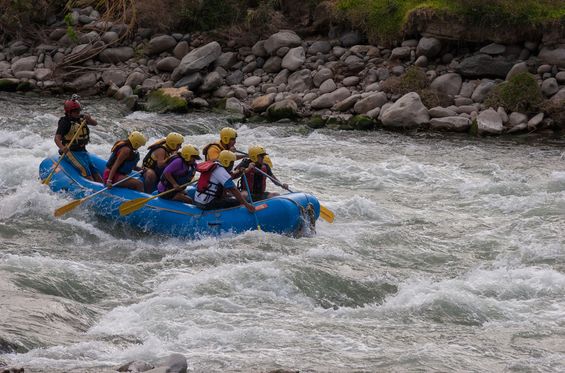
(71,105)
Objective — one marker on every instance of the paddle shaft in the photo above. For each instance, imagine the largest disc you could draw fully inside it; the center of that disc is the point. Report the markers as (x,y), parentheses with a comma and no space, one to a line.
(71,205)
(48,178)
(130,206)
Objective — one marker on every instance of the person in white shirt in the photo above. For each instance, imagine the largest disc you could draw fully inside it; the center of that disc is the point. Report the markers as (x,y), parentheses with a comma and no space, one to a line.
(215,184)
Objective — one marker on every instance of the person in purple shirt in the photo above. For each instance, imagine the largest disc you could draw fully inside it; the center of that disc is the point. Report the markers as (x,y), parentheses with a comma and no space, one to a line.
(180,169)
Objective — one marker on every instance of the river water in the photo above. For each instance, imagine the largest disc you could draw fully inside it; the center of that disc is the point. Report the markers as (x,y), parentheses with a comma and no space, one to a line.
(446,254)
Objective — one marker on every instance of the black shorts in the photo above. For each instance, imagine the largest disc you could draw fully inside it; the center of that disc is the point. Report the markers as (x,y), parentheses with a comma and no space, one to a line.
(218,203)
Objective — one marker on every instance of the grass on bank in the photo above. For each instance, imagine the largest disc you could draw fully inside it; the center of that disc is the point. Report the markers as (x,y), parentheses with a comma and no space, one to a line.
(384,20)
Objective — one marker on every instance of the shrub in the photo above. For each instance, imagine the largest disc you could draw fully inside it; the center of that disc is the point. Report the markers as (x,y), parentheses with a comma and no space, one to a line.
(521,93)
(415,80)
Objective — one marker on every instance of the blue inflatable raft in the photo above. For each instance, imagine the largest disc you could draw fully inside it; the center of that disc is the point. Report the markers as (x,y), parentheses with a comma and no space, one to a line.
(292,214)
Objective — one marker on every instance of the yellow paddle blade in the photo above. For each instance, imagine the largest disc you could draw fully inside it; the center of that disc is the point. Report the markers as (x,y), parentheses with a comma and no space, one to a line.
(66,208)
(326,214)
(128,207)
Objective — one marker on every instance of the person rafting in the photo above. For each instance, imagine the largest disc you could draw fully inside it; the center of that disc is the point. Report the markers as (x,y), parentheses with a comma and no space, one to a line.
(67,127)
(215,183)
(123,160)
(252,179)
(156,158)
(180,169)
(227,141)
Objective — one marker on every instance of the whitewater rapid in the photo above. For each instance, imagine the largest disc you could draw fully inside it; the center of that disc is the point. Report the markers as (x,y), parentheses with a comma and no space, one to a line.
(446,254)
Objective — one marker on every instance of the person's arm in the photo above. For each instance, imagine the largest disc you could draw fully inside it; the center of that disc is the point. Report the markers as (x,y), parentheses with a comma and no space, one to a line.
(275,180)
(242,168)
(123,154)
(160,157)
(241,200)
(62,129)
(89,120)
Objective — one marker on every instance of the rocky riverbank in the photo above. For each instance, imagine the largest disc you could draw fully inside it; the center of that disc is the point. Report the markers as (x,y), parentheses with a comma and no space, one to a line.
(340,82)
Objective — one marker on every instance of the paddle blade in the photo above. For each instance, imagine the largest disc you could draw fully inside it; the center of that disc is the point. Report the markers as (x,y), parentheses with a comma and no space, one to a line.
(326,214)
(128,207)
(66,208)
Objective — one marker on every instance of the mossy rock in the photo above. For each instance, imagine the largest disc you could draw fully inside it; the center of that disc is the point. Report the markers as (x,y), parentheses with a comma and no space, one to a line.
(334,123)
(256,119)
(285,109)
(9,85)
(220,104)
(236,119)
(362,122)
(161,102)
(24,86)
(521,93)
(316,122)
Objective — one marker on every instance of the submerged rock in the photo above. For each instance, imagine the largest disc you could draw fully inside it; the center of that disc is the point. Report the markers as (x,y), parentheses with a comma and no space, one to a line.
(168,100)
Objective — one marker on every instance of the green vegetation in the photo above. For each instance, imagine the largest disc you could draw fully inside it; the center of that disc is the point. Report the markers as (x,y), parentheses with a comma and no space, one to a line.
(71,33)
(415,80)
(362,122)
(385,20)
(521,93)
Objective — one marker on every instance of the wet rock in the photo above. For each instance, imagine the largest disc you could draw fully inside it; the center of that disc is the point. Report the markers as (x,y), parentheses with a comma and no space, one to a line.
(123,92)
(9,84)
(168,100)
(407,112)
(283,109)
(489,122)
(234,105)
(135,366)
(452,124)
(362,122)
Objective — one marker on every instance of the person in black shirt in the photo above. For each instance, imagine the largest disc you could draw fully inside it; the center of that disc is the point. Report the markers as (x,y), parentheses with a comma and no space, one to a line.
(76,152)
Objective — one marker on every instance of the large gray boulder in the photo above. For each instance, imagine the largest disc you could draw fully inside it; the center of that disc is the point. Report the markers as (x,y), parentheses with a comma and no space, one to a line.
(116,55)
(116,76)
(24,64)
(429,47)
(168,64)
(328,100)
(284,38)
(83,82)
(521,67)
(448,84)
(300,81)
(160,44)
(482,90)
(370,102)
(283,109)
(199,58)
(407,112)
(484,66)
(553,56)
(294,59)
(489,122)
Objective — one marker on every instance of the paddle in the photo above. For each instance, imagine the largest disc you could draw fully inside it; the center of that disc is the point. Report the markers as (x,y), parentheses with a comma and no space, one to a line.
(47,180)
(70,206)
(325,213)
(133,205)
(251,200)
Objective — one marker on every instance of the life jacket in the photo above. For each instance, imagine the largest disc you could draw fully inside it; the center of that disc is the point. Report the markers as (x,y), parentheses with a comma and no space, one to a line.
(257,181)
(149,162)
(207,147)
(128,165)
(206,169)
(83,137)
(182,179)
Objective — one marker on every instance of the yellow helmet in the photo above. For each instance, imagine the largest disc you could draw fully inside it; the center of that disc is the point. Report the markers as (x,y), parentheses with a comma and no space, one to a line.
(174,140)
(137,139)
(268,161)
(227,134)
(189,151)
(255,151)
(226,158)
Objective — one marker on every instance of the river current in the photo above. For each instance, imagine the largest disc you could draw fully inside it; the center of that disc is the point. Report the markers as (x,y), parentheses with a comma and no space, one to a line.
(446,254)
